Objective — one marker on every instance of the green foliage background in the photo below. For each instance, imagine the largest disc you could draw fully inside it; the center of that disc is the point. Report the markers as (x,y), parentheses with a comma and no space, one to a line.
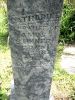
(67,29)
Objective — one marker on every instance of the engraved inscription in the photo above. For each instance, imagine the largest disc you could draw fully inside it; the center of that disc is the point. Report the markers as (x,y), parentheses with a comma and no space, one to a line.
(38,16)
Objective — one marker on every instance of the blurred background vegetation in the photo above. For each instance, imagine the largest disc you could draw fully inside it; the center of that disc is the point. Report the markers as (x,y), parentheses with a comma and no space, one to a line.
(3,24)
(67,28)
(62,80)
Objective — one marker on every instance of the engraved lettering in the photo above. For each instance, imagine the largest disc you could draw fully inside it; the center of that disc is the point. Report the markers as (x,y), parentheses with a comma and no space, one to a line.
(37,17)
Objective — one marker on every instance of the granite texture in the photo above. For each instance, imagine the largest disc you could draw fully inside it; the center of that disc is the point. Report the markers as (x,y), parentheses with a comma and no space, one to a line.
(34,31)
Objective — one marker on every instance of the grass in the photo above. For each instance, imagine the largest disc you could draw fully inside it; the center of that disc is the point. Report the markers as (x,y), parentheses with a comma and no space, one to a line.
(5,74)
(63,84)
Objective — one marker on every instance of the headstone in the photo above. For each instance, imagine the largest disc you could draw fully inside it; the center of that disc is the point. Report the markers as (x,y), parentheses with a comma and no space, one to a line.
(34,30)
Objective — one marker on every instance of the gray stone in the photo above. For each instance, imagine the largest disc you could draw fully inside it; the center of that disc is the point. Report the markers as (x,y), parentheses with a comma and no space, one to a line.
(34,31)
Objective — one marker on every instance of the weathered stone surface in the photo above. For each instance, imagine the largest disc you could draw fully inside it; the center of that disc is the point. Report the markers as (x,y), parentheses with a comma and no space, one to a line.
(34,30)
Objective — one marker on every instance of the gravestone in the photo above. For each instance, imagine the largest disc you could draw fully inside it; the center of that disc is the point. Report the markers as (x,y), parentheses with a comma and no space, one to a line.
(34,31)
